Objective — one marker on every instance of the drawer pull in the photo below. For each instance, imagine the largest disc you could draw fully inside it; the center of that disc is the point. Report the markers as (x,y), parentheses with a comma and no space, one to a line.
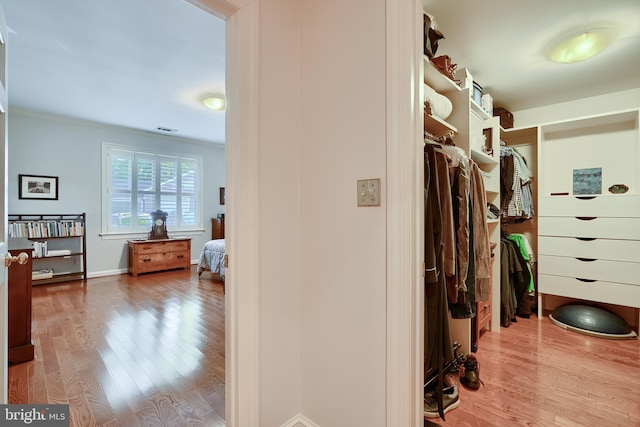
(586,218)
(146,260)
(585,197)
(586,280)
(180,256)
(586,239)
(586,259)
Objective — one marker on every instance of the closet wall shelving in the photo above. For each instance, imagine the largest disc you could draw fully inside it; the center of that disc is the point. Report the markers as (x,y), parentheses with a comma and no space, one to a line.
(478,134)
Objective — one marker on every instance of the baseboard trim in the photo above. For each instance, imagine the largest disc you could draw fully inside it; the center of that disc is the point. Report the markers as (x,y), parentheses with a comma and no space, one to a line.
(300,421)
(104,273)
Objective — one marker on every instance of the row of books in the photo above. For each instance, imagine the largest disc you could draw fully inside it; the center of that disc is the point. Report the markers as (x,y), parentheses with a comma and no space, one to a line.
(44,229)
(46,273)
(40,250)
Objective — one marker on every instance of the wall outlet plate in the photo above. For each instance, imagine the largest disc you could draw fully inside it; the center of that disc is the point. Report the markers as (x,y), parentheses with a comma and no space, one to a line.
(369,192)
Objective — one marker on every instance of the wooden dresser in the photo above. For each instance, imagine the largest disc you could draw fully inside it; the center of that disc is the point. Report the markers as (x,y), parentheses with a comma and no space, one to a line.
(146,256)
(21,347)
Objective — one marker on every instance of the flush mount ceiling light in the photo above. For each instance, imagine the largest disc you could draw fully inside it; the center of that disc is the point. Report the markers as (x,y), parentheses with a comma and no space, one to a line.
(582,46)
(215,102)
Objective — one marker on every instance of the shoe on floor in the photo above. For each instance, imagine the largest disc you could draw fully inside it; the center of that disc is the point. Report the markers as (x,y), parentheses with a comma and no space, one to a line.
(450,400)
(471,376)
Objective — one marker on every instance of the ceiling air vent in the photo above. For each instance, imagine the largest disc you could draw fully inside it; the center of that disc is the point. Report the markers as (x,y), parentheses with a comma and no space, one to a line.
(166,130)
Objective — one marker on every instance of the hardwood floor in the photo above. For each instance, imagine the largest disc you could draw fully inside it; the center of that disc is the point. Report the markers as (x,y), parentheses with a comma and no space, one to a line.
(538,374)
(129,351)
(149,351)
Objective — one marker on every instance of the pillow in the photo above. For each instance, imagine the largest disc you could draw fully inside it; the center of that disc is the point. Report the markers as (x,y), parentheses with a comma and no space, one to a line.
(441,106)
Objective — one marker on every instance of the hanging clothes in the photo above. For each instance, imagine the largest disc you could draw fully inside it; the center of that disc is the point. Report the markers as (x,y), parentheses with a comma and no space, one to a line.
(481,247)
(438,343)
(459,187)
(515,185)
(516,278)
(526,251)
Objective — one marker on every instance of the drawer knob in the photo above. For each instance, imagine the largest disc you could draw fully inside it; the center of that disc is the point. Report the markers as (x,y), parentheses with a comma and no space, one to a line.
(180,256)
(146,260)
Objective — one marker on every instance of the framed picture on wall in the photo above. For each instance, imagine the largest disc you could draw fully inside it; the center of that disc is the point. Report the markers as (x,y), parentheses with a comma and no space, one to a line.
(38,187)
(222,195)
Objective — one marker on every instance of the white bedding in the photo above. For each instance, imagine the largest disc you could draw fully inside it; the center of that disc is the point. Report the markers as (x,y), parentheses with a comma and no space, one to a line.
(212,258)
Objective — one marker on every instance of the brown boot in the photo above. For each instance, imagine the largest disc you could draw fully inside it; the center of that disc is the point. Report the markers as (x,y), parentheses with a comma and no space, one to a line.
(470,378)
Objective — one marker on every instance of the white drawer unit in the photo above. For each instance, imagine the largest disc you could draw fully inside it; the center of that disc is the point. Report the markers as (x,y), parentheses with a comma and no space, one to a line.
(614,206)
(590,290)
(589,210)
(590,227)
(590,269)
(585,247)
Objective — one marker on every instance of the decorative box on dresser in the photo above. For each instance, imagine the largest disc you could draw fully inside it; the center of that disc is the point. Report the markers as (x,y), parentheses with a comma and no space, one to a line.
(147,256)
(589,210)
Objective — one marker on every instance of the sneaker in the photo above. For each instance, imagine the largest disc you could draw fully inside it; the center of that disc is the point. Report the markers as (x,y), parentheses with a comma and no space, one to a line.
(471,376)
(450,400)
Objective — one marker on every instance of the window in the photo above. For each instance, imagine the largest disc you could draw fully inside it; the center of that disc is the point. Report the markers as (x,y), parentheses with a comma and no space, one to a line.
(138,183)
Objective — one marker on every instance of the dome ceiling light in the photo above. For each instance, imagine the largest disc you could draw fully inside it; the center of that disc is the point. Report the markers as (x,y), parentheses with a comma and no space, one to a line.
(215,102)
(585,45)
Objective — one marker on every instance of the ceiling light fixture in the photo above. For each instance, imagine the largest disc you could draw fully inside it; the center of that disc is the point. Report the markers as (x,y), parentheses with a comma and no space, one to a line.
(215,102)
(580,47)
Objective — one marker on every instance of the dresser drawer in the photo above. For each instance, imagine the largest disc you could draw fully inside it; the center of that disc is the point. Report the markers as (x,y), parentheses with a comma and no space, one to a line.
(605,249)
(590,269)
(483,313)
(162,246)
(162,261)
(600,291)
(599,227)
(611,205)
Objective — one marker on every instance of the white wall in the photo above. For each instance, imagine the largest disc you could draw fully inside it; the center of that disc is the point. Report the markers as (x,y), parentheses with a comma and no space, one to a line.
(595,105)
(343,139)
(322,259)
(71,150)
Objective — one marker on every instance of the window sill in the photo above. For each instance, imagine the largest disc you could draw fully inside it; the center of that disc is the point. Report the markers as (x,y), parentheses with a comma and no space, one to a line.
(130,236)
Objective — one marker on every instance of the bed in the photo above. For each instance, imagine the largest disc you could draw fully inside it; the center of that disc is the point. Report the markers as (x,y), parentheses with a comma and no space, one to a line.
(212,258)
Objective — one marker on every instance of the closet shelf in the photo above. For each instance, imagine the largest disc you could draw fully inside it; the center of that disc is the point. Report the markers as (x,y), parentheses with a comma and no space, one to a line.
(479,111)
(436,126)
(438,81)
(482,158)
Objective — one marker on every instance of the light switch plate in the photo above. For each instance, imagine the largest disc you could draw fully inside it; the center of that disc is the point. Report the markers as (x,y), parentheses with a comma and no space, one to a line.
(369,192)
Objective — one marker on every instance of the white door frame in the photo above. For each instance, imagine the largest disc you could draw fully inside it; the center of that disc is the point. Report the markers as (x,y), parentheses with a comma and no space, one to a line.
(241,230)
(405,214)
(4,318)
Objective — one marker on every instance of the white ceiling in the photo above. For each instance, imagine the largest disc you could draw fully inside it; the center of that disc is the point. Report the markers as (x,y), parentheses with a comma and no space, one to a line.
(123,62)
(134,63)
(503,44)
